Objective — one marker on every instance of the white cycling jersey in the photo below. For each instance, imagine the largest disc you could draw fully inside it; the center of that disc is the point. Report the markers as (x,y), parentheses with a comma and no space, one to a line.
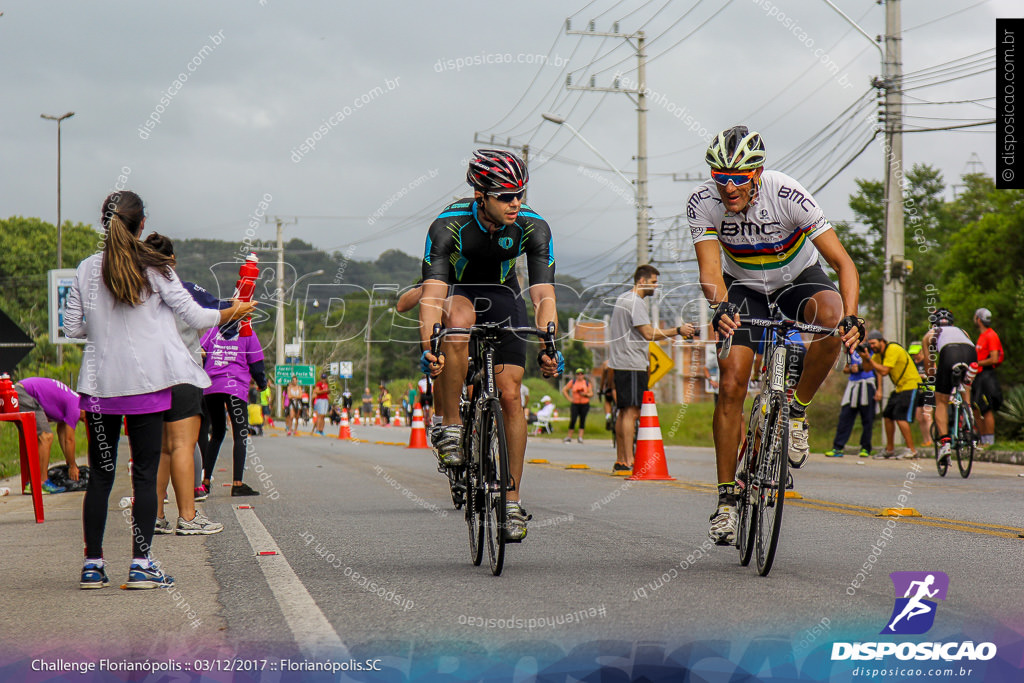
(767,245)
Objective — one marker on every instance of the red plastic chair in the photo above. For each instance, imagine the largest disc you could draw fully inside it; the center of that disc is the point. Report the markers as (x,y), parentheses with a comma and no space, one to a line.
(29,444)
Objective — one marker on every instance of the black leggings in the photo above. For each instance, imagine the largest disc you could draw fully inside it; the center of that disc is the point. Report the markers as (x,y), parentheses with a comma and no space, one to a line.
(145,435)
(237,410)
(578,411)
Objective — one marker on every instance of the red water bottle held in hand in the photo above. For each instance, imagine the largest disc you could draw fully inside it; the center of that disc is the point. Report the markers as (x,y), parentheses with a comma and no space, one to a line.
(8,395)
(245,287)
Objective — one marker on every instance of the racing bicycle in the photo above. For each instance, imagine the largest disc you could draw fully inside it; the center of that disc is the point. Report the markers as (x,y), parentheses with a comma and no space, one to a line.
(484,477)
(961,428)
(763,460)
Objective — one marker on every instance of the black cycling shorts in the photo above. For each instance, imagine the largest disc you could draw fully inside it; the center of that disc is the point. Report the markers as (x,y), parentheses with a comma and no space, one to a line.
(790,298)
(950,355)
(186,402)
(900,406)
(503,305)
(986,393)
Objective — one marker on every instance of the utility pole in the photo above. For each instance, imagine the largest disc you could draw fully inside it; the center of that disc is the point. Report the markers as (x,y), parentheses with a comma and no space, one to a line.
(896,266)
(642,216)
(279,293)
(60,228)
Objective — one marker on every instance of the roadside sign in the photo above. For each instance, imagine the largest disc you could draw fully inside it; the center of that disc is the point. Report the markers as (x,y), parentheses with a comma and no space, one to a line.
(59,287)
(334,368)
(304,373)
(345,369)
(660,364)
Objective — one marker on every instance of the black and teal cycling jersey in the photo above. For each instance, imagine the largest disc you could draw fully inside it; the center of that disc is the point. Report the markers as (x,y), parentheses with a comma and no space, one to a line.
(460,250)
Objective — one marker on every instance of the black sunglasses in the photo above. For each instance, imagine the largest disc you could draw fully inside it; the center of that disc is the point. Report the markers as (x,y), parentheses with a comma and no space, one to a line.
(507,196)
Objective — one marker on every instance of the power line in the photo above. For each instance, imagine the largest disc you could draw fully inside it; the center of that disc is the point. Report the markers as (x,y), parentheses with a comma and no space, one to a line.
(947,16)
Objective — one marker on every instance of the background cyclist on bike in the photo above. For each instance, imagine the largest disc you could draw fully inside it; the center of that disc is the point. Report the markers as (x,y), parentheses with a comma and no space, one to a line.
(772,233)
(469,276)
(946,347)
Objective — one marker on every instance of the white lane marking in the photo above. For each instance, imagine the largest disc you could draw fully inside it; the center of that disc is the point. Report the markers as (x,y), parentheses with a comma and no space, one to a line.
(313,632)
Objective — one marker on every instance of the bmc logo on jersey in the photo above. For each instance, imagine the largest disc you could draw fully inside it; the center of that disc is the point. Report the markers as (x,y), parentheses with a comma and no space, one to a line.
(917,594)
(748,229)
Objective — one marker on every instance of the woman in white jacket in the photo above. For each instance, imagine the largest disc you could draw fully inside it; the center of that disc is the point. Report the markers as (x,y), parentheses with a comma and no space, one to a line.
(123,302)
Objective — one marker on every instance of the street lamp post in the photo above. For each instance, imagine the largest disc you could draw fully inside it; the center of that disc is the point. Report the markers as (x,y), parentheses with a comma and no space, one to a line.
(294,289)
(60,236)
(642,256)
(60,230)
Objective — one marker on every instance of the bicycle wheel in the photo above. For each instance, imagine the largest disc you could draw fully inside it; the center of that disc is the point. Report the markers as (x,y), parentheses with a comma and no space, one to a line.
(495,464)
(474,492)
(747,524)
(770,483)
(964,443)
(941,464)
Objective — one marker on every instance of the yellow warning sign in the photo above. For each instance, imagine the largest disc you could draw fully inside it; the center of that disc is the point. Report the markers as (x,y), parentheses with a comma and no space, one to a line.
(660,364)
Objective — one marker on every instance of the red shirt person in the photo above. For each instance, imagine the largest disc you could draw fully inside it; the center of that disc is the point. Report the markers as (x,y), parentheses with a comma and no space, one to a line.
(986,394)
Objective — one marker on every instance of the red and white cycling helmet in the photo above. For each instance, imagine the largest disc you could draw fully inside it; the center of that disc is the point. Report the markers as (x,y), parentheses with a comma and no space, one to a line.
(495,171)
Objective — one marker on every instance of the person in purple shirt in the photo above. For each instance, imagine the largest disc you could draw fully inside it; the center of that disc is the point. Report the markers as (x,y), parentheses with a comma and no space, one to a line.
(230,363)
(51,401)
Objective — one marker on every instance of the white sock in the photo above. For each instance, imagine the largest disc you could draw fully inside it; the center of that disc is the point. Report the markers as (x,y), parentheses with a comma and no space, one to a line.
(436,420)
(142,562)
(92,561)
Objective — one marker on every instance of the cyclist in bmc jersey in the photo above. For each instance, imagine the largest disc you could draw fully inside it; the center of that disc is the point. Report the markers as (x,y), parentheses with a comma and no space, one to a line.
(771,233)
(947,346)
(468,276)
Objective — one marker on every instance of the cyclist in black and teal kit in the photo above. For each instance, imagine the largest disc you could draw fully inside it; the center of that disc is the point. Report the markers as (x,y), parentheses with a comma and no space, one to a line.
(469,276)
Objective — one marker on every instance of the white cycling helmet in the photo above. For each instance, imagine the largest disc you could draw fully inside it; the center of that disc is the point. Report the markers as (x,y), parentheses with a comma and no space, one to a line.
(736,149)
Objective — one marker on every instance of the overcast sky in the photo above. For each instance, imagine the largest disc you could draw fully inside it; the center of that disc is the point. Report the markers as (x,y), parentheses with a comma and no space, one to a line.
(264,76)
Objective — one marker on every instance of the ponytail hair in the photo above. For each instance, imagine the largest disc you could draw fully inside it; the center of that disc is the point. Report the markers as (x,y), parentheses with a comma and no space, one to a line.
(125,258)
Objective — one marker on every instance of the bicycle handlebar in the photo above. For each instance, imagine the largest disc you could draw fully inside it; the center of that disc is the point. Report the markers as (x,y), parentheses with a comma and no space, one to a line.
(546,336)
(780,324)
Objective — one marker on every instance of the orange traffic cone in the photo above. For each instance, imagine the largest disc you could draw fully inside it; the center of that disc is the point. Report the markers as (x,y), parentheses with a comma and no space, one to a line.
(650,450)
(343,431)
(355,419)
(376,420)
(418,437)
(397,422)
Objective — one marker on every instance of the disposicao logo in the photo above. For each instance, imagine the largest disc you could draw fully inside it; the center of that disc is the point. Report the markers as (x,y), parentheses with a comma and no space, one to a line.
(913,613)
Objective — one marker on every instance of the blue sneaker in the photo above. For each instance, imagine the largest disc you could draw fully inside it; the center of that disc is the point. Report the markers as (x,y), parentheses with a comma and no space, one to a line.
(140,579)
(94,577)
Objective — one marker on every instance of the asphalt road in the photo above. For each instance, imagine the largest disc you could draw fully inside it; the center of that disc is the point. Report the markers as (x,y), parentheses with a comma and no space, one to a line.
(372,565)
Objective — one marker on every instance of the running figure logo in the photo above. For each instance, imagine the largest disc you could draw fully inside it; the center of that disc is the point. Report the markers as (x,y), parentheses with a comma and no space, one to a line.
(914,612)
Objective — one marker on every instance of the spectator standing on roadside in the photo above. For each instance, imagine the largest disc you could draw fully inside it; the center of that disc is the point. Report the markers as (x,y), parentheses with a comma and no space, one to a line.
(385,405)
(51,401)
(629,335)
(578,390)
(858,399)
(293,405)
(230,363)
(267,403)
(888,359)
(711,371)
(183,427)
(986,392)
(321,402)
(367,403)
(123,302)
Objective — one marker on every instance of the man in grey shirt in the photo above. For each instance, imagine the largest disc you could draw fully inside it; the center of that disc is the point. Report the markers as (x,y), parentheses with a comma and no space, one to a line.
(629,335)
